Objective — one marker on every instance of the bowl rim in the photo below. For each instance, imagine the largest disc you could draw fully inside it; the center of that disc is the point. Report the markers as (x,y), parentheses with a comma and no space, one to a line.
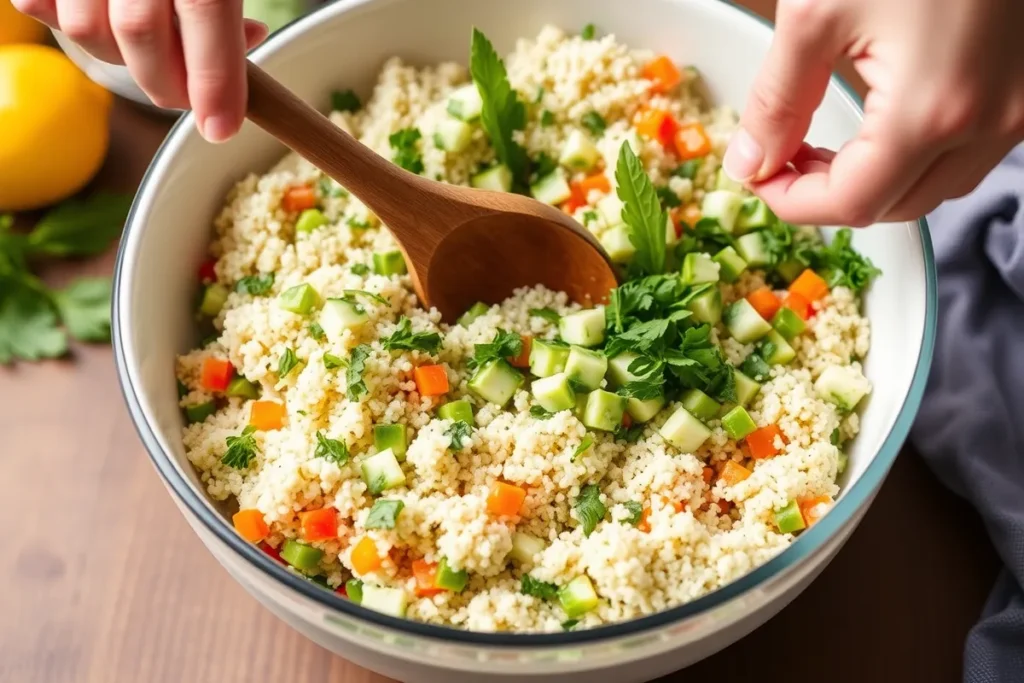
(806,545)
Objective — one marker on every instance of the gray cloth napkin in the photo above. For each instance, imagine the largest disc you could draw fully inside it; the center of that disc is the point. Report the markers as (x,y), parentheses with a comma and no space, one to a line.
(970,427)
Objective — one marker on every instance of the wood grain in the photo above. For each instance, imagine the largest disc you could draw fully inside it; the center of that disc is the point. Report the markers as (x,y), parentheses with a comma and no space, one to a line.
(101,580)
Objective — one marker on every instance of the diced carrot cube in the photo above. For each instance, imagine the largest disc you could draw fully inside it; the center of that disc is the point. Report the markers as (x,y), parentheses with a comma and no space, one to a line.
(365,558)
(425,574)
(657,124)
(645,523)
(809,285)
(319,525)
(523,359)
(298,198)
(596,181)
(761,442)
(505,500)
(216,374)
(250,525)
(814,508)
(267,415)
(431,380)
(733,473)
(764,302)
(708,474)
(662,73)
(692,141)
(799,305)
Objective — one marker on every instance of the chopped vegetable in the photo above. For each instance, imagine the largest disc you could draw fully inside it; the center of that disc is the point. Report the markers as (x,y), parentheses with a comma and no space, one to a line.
(450,579)
(303,557)
(789,520)
(594,122)
(502,113)
(588,32)
(584,446)
(538,589)
(241,449)
(389,263)
(813,508)
(662,73)
(656,124)
(208,271)
(425,574)
(391,436)
(298,198)
(733,473)
(319,525)
(345,100)
(267,415)
(788,323)
(354,590)
(496,381)
(597,182)
(250,525)
(331,449)
(364,556)
(216,374)
(578,597)
(589,508)
(200,411)
(403,338)
(458,433)
(761,442)
(384,514)
(764,302)
(405,149)
(505,500)
(431,380)
(356,388)
(300,299)
(738,424)
(214,297)
(474,312)
(255,285)
(381,471)
(522,360)
(809,285)
(242,388)
(505,344)
(457,411)
(310,220)
(799,305)
(691,141)
(286,363)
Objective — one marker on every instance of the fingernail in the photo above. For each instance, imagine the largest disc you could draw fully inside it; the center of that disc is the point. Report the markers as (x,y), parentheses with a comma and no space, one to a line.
(743,157)
(217,128)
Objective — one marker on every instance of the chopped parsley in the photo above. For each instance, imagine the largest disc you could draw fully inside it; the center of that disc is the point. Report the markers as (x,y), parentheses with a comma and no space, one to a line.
(502,113)
(629,434)
(641,212)
(595,123)
(459,433)
(547,314)
(588,32)
(405,339)
(542,166)
(405,150)
(540,413)
(256,285)
(357,223)
(539,97)
(354,374)
(589,216)
(316,332)
(328,188)
(538,589)
(589,508)
(384,514)
(345,100)
(668,198)
(287,363)
(241,450)
(351,296)
(547,118)
(505,345)
(331,449)
(636,512)
(569,624)
(587,442)
(836,437)
(840,265)
(688,169)
(360,269)
(331,361)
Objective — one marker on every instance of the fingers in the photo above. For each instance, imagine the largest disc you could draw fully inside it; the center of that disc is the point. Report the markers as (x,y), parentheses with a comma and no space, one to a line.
(41,10)
(85,22)
(151,47)
(214,44)
(791,84)
(255,32)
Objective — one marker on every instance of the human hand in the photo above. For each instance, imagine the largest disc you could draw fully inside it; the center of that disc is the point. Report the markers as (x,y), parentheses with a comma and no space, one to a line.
(197,61)
(945,104)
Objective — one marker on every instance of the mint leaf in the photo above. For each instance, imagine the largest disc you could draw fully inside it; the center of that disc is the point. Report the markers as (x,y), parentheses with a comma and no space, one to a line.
(589,508)
(641,212)
(587,442)
(85,309)
(241,450)
(256,285)
(406,152)
(594,122)
(405,339)
(547,314)
(636,512)
(538,589)
(80,227)
(506,344)
(459,433)
(331,449)
(384,514)
(331,361)
(28,324)
(345,100)
(502,111)
(354,374)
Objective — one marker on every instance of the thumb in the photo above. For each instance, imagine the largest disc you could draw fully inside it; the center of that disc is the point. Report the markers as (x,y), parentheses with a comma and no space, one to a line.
(788,89)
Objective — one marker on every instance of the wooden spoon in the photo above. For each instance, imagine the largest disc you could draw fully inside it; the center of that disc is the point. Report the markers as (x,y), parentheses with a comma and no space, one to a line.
(461,245)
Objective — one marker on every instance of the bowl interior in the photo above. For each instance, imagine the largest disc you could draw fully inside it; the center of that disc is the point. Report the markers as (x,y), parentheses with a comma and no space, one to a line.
(343,46)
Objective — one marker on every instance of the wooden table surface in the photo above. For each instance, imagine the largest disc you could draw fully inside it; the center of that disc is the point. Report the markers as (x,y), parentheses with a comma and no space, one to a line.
(102,581)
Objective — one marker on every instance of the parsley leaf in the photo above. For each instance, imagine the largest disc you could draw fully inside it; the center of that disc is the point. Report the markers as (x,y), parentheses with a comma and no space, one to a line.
(547,118)
(589,217)
(589,508)
(668,198)
(256,285)
(360,269)
(835,438)
(345,100)
(641,212)
(384,514)
(331,361)
(587,442)
(331,449)
(80,227)
(688,169)
(459,432)
(328,188)
(547,314)
(354,374)
(350,296)
(636,512)
(588,32)
(406,152)
(538,589)
(540,413)
(28,325)
(569,624)
(404,338)
(316,332)
(502,111)
(840,265)
(542,166)
(85,309)
(505,345)
(595,123)
(241,450)
(287,363)
(629,434)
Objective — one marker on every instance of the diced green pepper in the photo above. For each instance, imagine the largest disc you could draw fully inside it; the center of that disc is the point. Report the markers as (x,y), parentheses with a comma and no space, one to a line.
(449,579)
(457,411)
(788,324)
(391,436)
(243,388)
(200,412)
(474,312)
(354,590)
(789,519)
(303,557)
(309,220)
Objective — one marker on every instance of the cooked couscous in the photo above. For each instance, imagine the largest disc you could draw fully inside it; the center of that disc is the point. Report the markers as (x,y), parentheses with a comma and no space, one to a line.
(536,466)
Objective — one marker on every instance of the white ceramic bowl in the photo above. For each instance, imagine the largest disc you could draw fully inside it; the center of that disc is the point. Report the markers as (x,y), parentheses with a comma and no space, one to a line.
(345,44)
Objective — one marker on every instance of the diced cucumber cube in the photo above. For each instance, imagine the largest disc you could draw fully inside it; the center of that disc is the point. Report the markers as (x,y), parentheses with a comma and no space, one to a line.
(300,299)
(684,431)
(604,410)
(465,103)
(453,135)
(617,243)
(457,411)
(354,590)
(551,189)
(789,519)
(393,437)
(610,208)
(788,324)
(310,220)
(732,264)
(381,472)
(525,547)
(724,206)
(496,381)
(474,312)
(644,410)
(578,597)
(699,268)
(497,178)
(724,182)
(200,411)
(547,358)
(214,297)
(754,214)
(300,555)
(790,269)
(737,423)
(554,393)
(579,152)
(744,323)
(754,250)
(583,328)
(449,579)
(706,307)
(618,369)
(611,153)
(581,406)
(842,462)
(242,388)
(746,388)
(775,350)
(843,385)
(586,367)
(699,404)
(389,263)
(391,601)
(339,315)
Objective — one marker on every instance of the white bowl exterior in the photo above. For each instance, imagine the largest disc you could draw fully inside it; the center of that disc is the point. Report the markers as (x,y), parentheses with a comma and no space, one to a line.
(344,45)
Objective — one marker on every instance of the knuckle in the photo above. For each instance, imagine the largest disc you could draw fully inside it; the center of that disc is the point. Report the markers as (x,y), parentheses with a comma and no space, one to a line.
(33,8)
(198,6)
(81,27)
(806,15)
(953,116)
(854,211)
(134,22)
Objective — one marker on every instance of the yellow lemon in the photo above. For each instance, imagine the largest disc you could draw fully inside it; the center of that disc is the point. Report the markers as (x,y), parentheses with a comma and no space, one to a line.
(15,27)
(53,127)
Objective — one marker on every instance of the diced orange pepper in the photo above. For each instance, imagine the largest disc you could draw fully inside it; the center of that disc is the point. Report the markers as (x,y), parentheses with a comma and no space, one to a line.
(685,217)
(250,525)
(761,442)
(505,500)
(425,574)
(365,558)
(799,305)
(809,285)
(595,181)
(680,506)
(298,198)
(431,380)
(764,302)
(663,74)
(216,374)
(319,525)
(692,141)
(656,124)
(267,415)
(733,473)
(814,508)
(645,523)
(577,199)
(523,359)
(708,474)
